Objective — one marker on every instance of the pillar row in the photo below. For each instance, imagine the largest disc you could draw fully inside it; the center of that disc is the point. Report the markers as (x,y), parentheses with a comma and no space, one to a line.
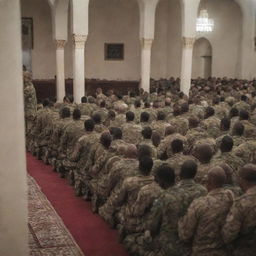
(78,66)
(146,45)
(60,69)
(186,64)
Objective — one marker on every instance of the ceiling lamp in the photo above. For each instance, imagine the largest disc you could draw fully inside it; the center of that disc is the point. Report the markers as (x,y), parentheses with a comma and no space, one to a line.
(204,24)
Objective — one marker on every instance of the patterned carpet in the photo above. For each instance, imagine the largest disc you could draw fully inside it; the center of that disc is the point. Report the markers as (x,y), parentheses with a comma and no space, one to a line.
(47,234)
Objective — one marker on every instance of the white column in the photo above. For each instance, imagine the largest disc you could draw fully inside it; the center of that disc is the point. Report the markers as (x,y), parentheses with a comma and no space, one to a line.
(78,67)
(186,64)
(60,69)
(13,184)
(146,45)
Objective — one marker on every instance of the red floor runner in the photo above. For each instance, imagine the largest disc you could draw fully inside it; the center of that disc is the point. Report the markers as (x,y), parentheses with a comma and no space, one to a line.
(91,233)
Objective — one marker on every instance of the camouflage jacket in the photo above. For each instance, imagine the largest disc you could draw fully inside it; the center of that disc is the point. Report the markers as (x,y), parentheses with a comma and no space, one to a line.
(30,101)
(240,225)
(132,133)
(203,221)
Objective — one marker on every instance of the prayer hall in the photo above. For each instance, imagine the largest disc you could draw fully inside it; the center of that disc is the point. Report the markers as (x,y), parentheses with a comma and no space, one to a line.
(131,128)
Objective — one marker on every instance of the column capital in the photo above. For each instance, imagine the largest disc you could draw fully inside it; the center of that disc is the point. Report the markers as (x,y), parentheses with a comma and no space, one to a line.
(60,43)
(79,41)
(188,42)
(146,43)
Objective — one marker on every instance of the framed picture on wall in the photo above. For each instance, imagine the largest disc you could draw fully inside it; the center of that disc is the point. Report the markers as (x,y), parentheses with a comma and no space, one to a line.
(27,33)
(114,51)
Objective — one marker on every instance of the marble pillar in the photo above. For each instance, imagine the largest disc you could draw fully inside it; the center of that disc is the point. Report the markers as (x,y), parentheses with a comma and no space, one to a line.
(60,69)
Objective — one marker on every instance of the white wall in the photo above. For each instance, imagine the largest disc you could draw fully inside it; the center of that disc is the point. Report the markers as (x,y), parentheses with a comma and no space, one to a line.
(118,21)
(226,37)
(202,48)
(43,54)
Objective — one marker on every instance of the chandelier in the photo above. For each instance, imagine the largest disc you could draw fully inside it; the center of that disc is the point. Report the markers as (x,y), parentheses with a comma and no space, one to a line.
(204,24)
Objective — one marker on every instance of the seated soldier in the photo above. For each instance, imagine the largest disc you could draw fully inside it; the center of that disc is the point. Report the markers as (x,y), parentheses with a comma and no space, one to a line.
(201,225)
(249,128)
(144,119)
(187,183)
(204,154)
(136,242)
(176,156)
(147,134)
(225,155)
(99,127)
(160,124)
(131,131)
(240,225)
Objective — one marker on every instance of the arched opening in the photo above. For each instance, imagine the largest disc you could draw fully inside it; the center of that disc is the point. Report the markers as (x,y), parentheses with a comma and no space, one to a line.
(225,37)
(167,45)
(202,59)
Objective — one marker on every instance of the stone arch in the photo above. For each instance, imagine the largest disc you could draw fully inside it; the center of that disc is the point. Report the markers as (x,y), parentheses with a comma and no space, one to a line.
(202,58)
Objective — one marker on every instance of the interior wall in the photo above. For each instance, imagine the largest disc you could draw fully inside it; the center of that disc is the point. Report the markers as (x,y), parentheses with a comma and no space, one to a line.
(167,46)
(118,21)
(202,48)
(226,36)
(43,53)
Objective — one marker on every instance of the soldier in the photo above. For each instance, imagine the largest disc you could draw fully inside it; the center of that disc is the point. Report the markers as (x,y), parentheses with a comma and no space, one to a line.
(161,235)
(30,102)
(249,128)
(242,104)
(131,131)
(136,243)
(246,151)
(176,156)
(211,123)
(187,183)
(85,107)
(225,155)
(159,125)
(240,225)
(81,154)
(99,127)
(102,111)
(147,134)
(144,119)
(201,225)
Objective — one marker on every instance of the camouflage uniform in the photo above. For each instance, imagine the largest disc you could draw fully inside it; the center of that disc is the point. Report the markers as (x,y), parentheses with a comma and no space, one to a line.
(177,160)
(249,129)
(30,106)
(194,135)
(240,226)
(119,121)
(181,124)
(149,143)
(132,133)
(202,172)
(202,223)
(242,105)
(159,126)
(221,111)
(246,151)
(86,108)
(212,125)
(165,145)
(103,114)
(162,223)
(229,158)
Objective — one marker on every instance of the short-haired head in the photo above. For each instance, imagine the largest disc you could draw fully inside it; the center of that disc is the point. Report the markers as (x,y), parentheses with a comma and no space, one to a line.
(144,117)
(96,118)
(225,124)
(106,139)
(147,133)
(145,165)
(170,130)
(65,112)
(248,173)
(188,170)
(165,176)
(76,114)
(89,125)
(130,116)
(144,150)
(228,171)
(209,111)
(156,138)
(131,151)
(160,115)
(226,144)
(216,178)
(233,112)
(238,129)
(177,146)
(84,99)
(244,115)
(203,152)
(193,122)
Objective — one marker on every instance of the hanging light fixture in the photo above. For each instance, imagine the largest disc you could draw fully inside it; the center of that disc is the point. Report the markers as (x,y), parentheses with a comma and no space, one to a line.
(204,24)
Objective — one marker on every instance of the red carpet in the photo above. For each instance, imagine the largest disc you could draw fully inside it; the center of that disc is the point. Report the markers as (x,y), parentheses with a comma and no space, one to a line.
(91,233)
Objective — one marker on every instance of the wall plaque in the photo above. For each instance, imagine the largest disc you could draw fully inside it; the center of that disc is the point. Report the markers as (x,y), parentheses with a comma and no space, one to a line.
(114,51)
